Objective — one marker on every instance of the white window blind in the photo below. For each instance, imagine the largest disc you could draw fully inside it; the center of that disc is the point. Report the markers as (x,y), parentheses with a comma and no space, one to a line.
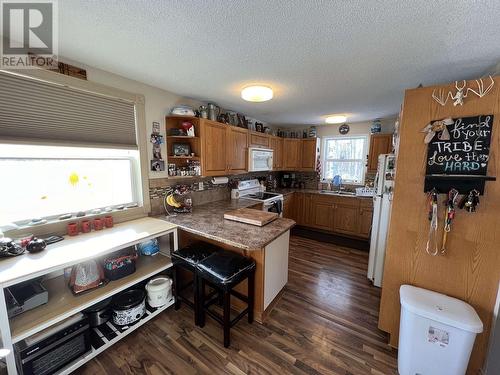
(35,110)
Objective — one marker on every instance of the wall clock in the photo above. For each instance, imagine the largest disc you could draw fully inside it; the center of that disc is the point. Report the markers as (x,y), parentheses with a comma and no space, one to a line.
(344,129)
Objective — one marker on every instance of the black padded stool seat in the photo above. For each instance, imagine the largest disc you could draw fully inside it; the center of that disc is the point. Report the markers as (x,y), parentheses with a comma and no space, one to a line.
(224,270)
(187,258)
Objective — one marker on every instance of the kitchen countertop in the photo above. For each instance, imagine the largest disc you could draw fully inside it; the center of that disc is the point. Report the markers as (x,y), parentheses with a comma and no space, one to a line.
(207,220)
(286,191)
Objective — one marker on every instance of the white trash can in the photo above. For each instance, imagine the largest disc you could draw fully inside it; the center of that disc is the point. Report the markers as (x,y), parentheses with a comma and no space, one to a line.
(436,333)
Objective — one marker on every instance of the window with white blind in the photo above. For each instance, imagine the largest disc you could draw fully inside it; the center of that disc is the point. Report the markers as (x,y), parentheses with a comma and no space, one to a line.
(345,156)
(64,150)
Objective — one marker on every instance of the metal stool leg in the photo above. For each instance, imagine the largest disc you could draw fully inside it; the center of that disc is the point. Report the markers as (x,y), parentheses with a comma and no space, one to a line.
(176,287)
(251,289)
(227,317)
(201,302)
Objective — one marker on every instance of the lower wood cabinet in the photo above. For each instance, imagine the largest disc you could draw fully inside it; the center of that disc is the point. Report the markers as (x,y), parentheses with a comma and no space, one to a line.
(347,216)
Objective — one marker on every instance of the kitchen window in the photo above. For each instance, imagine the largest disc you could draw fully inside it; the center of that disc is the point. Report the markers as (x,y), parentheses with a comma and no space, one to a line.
(49,181)
(345,156)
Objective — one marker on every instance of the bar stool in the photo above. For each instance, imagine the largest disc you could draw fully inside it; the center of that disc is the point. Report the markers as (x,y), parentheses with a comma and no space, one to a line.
(187,258)
(224,270)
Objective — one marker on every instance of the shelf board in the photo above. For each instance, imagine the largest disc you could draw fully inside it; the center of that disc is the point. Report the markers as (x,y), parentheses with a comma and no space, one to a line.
(62,303)
(181,177)
(150,314)
(80,248)
(182,136)
(184,157)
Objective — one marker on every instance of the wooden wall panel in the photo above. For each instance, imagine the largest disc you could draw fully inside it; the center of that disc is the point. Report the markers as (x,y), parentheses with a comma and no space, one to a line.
(471,268)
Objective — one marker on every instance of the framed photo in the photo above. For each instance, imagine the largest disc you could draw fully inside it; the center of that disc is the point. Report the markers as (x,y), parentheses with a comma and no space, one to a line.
(181,149)
(157,152)
(157,165)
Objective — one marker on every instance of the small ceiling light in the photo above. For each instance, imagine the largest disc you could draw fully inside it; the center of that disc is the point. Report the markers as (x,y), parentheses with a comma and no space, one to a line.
(257,93)
(340,119)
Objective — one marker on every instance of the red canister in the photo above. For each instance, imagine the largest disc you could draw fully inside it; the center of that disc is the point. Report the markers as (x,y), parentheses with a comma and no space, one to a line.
(85,224)
(108,221)
(98,223)
(72,229)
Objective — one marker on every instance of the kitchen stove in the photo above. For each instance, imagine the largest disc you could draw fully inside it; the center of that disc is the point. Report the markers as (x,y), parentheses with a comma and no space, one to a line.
(251,189)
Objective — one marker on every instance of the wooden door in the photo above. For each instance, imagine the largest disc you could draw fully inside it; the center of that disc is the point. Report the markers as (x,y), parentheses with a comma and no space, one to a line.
(259,139)
(309,152)
(365,221)
(276,144)
(321,215)
(288,206)
(237,147)
(214,148)
(379,144)
(292,149)
(345,219)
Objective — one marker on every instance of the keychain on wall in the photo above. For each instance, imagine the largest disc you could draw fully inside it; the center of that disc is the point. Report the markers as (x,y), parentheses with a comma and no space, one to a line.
(450,215)
(433,213)
(470,201)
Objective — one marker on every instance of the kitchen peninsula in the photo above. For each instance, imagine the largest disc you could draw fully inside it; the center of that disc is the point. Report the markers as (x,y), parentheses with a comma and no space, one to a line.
(267,245)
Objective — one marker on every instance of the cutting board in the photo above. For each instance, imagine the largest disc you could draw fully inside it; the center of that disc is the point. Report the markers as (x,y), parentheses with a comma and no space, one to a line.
(251,216)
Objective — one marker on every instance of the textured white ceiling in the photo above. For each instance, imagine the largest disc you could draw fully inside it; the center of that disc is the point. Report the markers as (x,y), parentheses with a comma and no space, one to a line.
(321,57)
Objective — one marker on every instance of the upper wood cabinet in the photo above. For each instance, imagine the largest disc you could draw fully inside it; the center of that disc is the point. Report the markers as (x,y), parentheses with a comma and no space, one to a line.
(257,139)
(292,154)
(309,154)
(214,148)
(276,144)
(224,148)
(379,144)
(237,147)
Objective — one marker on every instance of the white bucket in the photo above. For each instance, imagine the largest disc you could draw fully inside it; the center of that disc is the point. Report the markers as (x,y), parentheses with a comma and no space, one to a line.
(159,291)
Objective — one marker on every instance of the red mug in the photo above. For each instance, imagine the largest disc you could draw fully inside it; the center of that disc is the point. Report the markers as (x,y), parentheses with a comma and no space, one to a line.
(108,221)
(72,229)
(98,223)
(85,224)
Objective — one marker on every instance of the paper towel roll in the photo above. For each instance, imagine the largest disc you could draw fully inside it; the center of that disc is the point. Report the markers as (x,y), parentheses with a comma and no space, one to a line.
(220,180)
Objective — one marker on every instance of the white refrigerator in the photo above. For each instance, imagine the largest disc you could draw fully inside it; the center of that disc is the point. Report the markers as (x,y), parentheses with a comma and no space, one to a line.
(382,200)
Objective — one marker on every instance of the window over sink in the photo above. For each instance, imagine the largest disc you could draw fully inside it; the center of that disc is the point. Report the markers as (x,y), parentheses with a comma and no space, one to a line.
(345,156)
(49,181)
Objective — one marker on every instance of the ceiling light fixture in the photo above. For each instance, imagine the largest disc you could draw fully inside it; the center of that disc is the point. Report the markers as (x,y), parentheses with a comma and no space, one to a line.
(257,93)
(337,119)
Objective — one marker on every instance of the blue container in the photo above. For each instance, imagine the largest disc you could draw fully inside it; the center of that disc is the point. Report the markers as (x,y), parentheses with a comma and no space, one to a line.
(150,247)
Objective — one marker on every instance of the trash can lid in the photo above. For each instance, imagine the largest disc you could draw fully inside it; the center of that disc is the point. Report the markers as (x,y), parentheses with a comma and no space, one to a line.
(441,308)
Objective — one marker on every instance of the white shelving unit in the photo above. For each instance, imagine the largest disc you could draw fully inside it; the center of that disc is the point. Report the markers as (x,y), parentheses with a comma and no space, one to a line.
(62,303)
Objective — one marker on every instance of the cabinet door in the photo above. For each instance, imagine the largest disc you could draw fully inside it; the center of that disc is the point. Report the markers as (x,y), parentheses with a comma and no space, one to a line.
(259,139)
(379,144)
(292,150)
(345,219)
(214,150)
(276,144)
(365,221)
(308,162)
(321,215)
(237,147)
(288,206)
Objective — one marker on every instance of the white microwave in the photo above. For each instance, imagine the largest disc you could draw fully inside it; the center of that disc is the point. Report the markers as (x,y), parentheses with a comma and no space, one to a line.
(260,159)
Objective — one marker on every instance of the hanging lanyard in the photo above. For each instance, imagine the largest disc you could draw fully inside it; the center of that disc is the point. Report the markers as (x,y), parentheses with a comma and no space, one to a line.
(450,215)
(433,211)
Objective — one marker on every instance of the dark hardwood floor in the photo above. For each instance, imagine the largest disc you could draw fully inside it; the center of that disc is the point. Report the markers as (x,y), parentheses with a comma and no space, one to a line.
(325,323)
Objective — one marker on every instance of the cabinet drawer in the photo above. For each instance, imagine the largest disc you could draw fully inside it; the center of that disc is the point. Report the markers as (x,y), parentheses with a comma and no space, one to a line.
(259,139)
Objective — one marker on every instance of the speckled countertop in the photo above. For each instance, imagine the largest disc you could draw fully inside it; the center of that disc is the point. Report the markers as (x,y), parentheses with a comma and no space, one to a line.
(286,191)
(207,220)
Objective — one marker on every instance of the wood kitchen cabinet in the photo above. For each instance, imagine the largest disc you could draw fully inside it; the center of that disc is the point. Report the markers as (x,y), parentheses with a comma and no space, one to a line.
(288,206)
(292,154)
(309,154)
(237,148)
(346,216)
(379,144)
(257,139)
(224,148)
(276,144)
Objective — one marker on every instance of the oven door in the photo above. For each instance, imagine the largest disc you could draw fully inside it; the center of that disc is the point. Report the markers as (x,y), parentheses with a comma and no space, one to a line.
(274,206)
(260,159)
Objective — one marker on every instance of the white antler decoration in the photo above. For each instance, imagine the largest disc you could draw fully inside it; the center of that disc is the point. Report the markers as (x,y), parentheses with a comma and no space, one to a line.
(462,92)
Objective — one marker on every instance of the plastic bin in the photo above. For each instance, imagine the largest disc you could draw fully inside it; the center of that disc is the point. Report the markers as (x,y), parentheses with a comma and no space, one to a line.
(436,333)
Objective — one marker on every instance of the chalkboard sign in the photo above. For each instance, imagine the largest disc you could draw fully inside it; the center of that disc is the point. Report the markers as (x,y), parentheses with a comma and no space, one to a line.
(465,154)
